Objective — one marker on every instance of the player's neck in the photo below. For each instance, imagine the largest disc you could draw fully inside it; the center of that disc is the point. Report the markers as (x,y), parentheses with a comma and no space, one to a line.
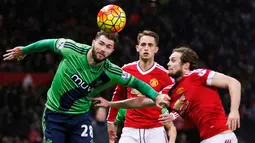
(90,59)
(145,64)
(181,76)
(186,72)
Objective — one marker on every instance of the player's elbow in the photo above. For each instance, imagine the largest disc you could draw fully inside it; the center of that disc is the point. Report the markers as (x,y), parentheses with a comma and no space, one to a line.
(234,83)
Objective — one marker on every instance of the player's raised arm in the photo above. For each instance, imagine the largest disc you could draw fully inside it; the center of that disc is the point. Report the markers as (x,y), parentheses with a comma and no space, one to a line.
(223,81)
(56,45)
(20,51)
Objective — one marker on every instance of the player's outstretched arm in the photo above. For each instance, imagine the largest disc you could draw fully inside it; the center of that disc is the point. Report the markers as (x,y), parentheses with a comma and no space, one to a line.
(161,100)
(128,80)
(138,102)
(15,53)
(223,81)
(19,52)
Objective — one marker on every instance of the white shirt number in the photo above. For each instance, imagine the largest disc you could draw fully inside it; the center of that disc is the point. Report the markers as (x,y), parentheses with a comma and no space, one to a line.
(85,131)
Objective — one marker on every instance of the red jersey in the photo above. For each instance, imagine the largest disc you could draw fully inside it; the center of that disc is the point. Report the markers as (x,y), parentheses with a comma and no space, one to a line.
(157,77)
(194,99)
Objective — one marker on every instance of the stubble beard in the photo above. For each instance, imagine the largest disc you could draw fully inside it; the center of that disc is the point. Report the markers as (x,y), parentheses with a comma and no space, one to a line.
(94,56)
(177,75)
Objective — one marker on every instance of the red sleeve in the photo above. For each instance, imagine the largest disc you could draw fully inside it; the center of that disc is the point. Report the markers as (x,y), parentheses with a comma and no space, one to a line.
(205,75)
(120,93)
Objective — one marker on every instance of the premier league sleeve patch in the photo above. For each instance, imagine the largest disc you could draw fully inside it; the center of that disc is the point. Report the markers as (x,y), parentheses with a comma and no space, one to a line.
(125,75)
(60,43)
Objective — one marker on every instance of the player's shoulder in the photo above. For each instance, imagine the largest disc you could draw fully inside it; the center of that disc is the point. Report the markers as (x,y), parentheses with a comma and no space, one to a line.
(160,68)
(198,72)
(131,65)
(163,71)
(72,45)
(166,89)
(112,68)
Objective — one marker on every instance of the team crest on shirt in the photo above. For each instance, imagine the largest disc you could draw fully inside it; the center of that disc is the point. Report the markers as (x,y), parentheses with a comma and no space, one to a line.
(98,82)
(154,82)
(180,90)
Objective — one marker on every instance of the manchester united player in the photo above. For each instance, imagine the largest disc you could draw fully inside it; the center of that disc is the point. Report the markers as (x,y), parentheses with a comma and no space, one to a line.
(141,124)
(195,97)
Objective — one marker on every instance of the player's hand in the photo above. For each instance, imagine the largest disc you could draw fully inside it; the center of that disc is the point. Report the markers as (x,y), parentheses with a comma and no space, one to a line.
(166,118)
(100,102)
(15,53)
(162,100)
(112,131)
(233,120)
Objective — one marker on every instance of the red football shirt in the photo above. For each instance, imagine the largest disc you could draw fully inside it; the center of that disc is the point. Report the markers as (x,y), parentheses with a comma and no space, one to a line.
(157,77)
(195,100)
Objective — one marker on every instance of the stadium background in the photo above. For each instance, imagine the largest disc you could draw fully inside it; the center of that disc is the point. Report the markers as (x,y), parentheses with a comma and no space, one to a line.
(221,31)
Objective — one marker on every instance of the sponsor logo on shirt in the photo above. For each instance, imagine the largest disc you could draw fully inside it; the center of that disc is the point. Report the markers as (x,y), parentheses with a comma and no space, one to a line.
(154,82)
(79,82)
(179,103)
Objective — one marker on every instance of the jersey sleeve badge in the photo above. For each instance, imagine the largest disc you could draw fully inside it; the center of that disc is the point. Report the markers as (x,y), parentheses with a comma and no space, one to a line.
(125,75)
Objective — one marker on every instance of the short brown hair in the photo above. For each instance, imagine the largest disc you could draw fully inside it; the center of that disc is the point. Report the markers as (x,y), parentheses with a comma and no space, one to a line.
(111,36)
(148,33)
(188,55)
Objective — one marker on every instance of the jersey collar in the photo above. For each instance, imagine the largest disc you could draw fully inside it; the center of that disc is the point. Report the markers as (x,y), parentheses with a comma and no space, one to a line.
(145,72)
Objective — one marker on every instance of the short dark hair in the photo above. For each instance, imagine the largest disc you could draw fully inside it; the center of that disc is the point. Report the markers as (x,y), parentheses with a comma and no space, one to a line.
(188,55)
(111,36)
(148,33)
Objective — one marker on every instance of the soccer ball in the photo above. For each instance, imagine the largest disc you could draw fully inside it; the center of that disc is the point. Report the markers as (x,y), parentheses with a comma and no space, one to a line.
(111,18)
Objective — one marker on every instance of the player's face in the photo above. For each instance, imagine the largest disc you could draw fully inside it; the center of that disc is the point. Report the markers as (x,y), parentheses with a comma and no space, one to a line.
(175,66)
(147,47)
(102,48)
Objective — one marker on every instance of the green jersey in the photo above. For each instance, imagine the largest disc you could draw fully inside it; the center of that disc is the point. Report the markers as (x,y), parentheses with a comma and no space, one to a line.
(121,115)
(76,80)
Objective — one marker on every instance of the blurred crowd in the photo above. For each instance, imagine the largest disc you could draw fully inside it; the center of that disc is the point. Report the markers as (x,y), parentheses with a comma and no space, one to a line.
(222,32)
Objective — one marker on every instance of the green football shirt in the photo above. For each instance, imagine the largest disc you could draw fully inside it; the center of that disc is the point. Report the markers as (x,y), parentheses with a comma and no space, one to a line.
(76,80)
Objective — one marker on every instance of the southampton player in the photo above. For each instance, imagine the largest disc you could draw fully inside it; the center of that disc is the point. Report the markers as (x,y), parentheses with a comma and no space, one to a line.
(143,121)
(83,72)
(194,96)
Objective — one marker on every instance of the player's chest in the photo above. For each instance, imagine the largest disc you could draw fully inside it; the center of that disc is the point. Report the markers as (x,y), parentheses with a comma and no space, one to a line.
(181,97)
(155,80)
(81,74)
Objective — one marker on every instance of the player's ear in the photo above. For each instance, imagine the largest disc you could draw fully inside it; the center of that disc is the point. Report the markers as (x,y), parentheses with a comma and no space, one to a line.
(93,42)
(137,48)
(156,50)
(186,65)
